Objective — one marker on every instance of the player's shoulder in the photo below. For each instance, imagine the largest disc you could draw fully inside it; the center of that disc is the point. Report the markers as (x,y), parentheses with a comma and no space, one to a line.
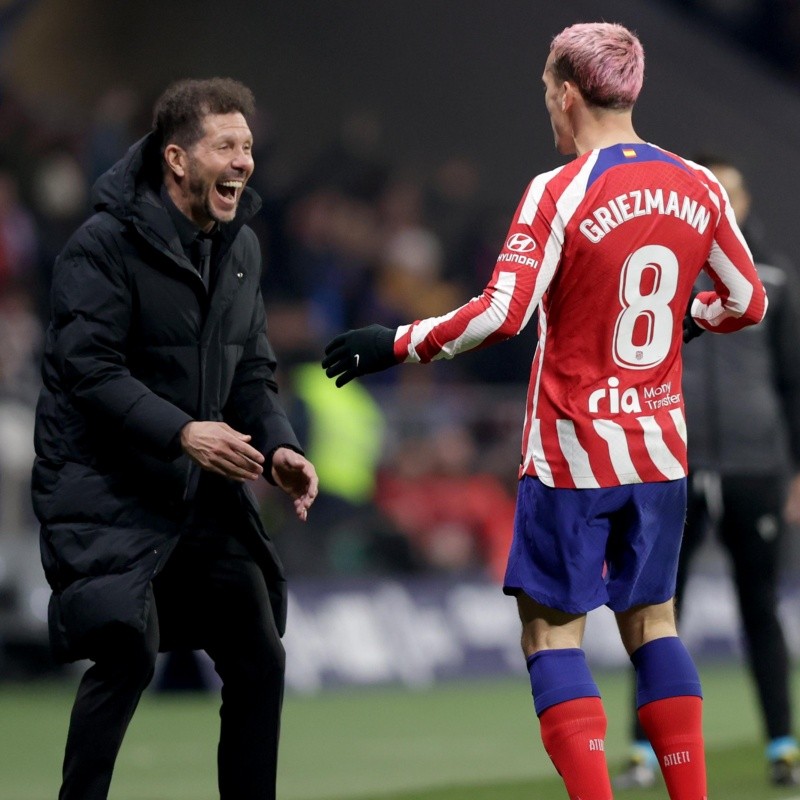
(701,173)
(706,182)
(559,178)
(546,178)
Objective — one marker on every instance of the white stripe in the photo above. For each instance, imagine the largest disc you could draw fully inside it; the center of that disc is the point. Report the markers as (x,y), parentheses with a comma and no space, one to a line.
(566,206)
(715,194)
(665,462)
(719,262)
(542,347)
(401,332)
(487,322)
(575,192)
(577,458)
(534,195)
(420,330)
(478,329)
(536,451)
(680,423)
(740,290)
(618,451)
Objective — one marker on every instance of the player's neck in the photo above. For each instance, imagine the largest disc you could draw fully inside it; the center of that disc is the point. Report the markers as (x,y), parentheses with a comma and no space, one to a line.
(595,131)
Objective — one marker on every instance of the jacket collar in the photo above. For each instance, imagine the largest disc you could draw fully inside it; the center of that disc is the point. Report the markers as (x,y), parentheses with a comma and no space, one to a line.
(187,231)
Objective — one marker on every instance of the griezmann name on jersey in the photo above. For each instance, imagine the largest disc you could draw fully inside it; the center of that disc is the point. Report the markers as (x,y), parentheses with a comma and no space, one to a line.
(606,249)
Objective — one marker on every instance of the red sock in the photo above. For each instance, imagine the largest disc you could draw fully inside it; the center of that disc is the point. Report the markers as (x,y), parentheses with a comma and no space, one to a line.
(574,733)
(674,726)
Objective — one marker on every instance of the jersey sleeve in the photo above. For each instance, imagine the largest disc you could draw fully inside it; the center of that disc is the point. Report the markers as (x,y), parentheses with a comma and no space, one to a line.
(738,298)
(522,273)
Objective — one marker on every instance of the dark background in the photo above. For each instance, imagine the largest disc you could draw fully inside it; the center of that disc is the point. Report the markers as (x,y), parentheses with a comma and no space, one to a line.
(444,76)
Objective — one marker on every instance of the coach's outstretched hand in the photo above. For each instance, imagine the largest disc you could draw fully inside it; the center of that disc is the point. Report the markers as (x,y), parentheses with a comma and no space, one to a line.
(358,352)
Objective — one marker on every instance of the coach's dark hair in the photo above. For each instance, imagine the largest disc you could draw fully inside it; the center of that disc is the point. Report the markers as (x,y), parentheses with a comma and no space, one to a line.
(179,112)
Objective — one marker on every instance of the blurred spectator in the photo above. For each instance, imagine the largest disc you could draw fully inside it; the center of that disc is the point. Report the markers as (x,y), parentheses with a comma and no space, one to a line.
(18,237)
(21,334)
(112,129)
(401,204)
(344,432)
(330,242)
(409,279)
(452,207)
(17,134)
(457,518)
(60,196)
(353,163)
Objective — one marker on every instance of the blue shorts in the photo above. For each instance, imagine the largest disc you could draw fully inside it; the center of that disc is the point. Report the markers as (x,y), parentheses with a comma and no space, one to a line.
(577,549)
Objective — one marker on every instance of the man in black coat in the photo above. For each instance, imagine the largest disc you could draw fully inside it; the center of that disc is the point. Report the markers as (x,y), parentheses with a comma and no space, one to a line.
(159,404)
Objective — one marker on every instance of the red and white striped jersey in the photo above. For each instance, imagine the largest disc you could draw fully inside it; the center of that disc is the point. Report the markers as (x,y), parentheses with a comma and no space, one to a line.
(607,248)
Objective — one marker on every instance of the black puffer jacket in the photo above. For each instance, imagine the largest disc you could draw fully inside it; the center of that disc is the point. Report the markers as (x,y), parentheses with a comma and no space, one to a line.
(133,352)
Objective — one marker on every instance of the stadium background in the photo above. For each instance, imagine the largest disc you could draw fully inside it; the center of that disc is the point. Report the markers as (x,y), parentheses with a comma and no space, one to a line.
(441,101)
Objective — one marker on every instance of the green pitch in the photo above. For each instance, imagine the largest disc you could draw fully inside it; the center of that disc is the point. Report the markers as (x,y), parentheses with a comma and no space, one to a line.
(465,741)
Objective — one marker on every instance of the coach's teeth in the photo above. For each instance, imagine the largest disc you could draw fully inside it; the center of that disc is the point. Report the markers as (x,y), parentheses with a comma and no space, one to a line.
(233,184)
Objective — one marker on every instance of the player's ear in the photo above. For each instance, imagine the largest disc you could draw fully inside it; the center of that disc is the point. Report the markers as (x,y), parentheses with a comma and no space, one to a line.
(568,94)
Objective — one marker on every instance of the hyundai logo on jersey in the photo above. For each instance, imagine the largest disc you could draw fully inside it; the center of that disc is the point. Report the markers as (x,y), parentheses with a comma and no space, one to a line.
(520,243)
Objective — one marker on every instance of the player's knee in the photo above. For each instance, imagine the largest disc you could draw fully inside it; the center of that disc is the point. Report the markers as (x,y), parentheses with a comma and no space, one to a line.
(642,624)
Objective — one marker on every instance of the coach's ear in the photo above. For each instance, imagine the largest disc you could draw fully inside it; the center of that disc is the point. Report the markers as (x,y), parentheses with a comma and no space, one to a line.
(175,158)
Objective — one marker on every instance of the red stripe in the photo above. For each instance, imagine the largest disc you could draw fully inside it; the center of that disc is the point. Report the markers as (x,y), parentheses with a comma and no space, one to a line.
(526,430)
(562,477)
(401,346)
(672,439)
(599,457)
(640,456)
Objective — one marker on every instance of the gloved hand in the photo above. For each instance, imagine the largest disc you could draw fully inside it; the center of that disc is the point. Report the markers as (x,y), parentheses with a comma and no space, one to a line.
(359,352)
(691,329)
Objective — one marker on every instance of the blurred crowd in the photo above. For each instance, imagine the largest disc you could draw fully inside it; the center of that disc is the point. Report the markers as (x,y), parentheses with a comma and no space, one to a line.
(417,465)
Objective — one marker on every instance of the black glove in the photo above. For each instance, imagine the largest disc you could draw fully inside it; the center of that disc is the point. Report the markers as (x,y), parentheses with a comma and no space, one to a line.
(691,329)
(358,352)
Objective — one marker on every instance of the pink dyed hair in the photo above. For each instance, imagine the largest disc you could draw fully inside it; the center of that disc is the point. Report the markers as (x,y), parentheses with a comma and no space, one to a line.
(604,60)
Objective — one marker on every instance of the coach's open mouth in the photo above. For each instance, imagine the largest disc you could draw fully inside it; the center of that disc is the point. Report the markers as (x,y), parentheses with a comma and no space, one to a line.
(229,190)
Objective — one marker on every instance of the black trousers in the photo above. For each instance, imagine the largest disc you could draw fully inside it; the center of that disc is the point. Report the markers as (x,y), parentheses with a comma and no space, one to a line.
(746,512)
(211,597)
